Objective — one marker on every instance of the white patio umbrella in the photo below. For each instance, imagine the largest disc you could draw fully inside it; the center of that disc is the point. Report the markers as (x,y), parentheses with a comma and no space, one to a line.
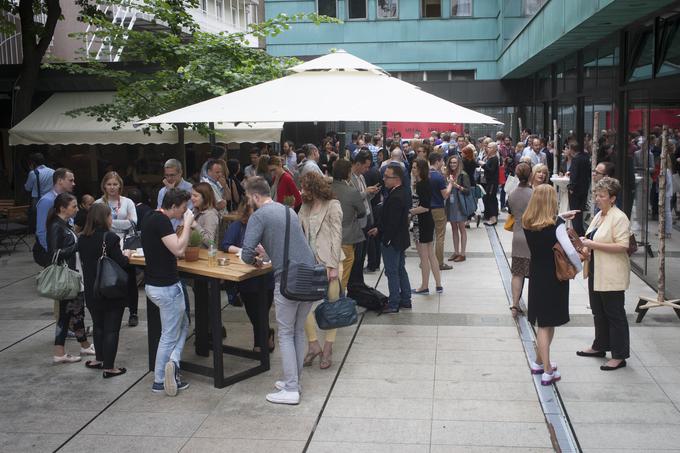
(334,87)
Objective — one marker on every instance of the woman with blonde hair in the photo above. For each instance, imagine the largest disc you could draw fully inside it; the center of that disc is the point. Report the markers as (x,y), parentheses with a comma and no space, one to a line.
(321,220)
(548,297)
(608,272)
(540,175)
(124,219)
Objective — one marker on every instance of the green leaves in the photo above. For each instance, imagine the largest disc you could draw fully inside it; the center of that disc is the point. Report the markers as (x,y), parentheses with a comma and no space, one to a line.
(179,65)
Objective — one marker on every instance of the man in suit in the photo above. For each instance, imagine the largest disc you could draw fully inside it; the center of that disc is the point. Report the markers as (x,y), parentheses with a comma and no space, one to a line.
(393,229)
(579,185)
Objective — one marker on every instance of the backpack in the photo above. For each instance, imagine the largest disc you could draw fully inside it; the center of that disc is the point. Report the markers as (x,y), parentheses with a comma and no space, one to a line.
(367,297)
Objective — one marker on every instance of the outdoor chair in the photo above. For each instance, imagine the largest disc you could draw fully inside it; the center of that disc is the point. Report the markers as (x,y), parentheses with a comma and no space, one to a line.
(13,227)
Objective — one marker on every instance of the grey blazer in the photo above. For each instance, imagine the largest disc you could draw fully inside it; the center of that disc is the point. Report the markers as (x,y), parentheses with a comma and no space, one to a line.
(353,209)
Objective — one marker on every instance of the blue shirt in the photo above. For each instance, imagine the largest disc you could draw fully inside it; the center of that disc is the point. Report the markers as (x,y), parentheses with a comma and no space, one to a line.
(44,184)
(42,209)
(437,184)
(183,185)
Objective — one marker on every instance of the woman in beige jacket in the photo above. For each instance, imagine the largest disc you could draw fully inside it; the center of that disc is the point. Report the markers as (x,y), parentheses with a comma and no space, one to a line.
(608,272)
(321,219)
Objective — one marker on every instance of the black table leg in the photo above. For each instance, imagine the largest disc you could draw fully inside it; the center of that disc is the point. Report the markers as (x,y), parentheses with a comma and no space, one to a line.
(202,315)
(263,320)
(215,305)
(153,320)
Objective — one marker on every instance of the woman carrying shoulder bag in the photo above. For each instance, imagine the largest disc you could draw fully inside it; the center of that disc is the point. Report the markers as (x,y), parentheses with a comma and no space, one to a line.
(548,296)
(608,271)
(107,314)
(62,239)
(321,219)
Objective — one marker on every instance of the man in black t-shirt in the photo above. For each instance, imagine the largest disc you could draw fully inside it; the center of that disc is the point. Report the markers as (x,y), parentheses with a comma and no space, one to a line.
(162,246)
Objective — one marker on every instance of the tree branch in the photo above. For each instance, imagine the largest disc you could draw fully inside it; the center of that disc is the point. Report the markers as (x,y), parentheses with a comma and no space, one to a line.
(53,15)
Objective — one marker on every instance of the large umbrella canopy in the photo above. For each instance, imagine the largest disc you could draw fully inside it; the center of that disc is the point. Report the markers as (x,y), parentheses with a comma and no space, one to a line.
(335,87)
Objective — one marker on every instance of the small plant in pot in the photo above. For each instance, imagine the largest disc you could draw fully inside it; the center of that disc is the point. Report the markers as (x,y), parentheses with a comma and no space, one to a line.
(191,253)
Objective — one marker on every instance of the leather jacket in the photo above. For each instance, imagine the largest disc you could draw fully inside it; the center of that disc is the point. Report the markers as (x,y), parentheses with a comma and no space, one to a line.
(60,236)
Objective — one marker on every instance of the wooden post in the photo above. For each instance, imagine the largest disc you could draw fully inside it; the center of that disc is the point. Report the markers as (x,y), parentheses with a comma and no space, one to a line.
(181,148)
(558,152)
(593,157)
(646,303)
(519,124)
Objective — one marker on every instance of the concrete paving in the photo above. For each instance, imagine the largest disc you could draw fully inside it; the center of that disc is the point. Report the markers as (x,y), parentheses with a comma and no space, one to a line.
(450,375)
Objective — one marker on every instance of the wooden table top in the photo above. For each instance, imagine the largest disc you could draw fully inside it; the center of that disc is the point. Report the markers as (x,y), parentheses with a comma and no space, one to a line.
(235,271)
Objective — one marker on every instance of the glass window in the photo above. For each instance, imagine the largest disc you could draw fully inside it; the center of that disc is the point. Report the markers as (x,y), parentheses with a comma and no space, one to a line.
(465,74)
(644,53)
(204,5)
(589,69)
(219,8)
(431,8)
(461,8)
(327,8)
(671,57)
(607,61)
(411,76)
(356,9)
(570,74)
(388,9)
(531,7)
(436,76)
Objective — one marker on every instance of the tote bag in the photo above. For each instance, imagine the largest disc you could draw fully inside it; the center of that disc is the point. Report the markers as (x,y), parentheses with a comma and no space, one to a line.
(58,281)
(111,280)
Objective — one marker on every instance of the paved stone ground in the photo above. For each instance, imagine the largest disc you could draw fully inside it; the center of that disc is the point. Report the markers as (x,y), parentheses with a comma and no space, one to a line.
(449,376)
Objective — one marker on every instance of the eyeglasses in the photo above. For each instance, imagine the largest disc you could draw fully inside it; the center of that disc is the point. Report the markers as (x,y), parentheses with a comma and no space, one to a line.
(390,177)
(595,172)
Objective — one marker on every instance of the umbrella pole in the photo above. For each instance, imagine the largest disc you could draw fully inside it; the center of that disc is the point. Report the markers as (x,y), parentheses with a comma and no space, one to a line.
(593,156)
(659,300)
(181,148)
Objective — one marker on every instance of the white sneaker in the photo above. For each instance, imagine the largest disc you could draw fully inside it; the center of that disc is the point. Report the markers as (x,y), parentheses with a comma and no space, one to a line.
(538,369)
(66,358)
(280,385)
(547,379)
(88,351)
(284,397)
(170,383)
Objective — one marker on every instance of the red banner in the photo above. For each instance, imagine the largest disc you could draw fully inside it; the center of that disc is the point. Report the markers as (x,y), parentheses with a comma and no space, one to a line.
(658,117)
(408,129)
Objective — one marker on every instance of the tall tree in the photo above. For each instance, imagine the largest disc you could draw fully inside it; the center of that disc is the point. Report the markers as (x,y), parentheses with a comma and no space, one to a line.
(35,40)
(176,65)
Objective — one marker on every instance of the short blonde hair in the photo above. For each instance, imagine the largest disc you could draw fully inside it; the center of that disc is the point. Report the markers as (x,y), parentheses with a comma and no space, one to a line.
(610,185)
(542,168)
(542,208)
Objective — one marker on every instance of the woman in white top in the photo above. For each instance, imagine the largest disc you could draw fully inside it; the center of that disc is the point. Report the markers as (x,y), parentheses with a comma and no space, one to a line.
(124,215)
(122,208)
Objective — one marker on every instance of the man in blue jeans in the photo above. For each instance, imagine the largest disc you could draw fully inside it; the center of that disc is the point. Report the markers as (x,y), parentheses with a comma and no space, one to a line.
(162,246)
(394,238)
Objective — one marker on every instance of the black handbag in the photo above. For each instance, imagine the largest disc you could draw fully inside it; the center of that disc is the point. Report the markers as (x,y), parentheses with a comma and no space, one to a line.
(333,315)
(133,238)
(111,280)
(300,281)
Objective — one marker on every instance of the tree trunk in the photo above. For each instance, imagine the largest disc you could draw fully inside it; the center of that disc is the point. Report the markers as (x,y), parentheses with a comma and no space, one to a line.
(35,43)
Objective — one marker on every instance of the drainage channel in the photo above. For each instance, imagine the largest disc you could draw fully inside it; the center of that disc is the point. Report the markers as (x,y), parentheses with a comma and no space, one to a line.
(561,431)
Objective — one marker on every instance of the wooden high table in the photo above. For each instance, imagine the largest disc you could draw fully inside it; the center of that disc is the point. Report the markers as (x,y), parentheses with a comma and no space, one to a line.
(208,312)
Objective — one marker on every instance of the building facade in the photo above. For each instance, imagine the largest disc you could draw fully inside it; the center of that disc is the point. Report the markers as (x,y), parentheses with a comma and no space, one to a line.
(537,63)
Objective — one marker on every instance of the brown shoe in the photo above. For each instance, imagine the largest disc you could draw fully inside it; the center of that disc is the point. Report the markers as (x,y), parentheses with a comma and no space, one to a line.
(459,258)
(453,257)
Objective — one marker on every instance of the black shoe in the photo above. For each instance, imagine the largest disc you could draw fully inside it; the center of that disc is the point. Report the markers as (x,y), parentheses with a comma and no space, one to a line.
(621,364)
(390,310)
(108,374)
(591,354)
(92,364)
(479,219)
(133,321)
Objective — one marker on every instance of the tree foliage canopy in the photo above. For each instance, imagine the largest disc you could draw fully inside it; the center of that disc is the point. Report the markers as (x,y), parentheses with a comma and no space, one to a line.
(181,65)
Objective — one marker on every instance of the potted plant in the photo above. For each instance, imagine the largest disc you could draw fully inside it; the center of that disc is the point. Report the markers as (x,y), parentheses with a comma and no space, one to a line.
(191,253)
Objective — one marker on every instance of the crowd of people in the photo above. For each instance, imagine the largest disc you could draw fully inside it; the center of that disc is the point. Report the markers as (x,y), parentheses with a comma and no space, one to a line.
(348,208)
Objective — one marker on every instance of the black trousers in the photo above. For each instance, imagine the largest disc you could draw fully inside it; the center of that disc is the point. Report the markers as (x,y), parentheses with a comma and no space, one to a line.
(132,291)
(578,202)
(252,310)
(373,252)
(611,324)
(490,201)
(356,275)
(71,317)
(106,325)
